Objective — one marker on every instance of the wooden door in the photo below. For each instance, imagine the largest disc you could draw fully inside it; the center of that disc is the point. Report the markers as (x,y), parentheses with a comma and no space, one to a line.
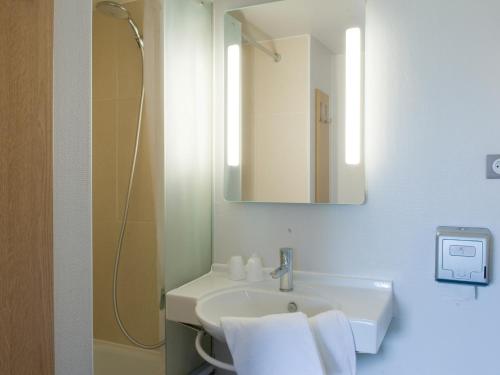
(322,181)
(26,290)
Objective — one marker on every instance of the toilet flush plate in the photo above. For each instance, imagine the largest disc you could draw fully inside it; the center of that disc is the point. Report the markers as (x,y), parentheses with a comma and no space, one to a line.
(462,255)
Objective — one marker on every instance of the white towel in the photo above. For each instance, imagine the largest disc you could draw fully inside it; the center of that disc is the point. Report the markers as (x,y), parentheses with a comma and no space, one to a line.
(335,342)
(272,345)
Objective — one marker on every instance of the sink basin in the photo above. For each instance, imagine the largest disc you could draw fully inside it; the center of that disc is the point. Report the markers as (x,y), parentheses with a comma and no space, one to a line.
(252,303)
(367,303)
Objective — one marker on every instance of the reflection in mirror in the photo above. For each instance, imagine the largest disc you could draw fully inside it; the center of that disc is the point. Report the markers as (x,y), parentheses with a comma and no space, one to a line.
(294,102)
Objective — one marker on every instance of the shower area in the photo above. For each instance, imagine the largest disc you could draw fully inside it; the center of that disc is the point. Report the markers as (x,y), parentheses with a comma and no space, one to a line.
(128,203)
(151,161)
(151,172)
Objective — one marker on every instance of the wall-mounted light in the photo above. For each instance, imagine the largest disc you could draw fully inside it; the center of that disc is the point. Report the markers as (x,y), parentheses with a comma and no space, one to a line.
(353,96)
(233,104)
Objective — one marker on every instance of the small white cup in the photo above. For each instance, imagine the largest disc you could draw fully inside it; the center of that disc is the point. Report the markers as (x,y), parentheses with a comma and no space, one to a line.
(254,269)
(236,268)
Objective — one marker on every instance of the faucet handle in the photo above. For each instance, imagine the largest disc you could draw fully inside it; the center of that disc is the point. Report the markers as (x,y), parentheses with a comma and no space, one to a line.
(286,255)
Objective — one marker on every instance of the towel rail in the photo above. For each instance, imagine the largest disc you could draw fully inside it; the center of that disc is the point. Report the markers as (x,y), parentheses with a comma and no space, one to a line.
(203,354)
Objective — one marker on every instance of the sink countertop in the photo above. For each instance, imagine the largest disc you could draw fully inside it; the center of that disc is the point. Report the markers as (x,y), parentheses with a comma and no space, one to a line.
(367,303)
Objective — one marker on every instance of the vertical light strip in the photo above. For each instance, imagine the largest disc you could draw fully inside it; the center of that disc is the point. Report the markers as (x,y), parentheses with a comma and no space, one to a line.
(353,96)
(233,104)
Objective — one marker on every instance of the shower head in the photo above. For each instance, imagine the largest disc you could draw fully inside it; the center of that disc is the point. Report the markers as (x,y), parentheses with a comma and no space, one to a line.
(110,8)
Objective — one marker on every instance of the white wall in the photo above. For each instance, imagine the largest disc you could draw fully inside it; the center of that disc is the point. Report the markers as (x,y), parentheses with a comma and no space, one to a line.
(72,187)
(432,113)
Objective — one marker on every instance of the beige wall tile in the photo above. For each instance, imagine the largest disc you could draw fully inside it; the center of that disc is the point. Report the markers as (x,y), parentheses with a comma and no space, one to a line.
(104,156)
(142,199)
(136,9)
(276,106)
(116,80)
(283,85)
(104,239)
(104,52)
(281,170)
(138,293)
(128,55)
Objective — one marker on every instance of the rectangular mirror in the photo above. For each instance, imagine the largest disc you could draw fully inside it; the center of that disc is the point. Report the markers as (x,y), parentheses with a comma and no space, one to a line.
(294,102)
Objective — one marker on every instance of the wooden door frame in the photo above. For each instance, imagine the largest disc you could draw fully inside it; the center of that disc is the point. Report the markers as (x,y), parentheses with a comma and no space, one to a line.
(26,237)
(46,198)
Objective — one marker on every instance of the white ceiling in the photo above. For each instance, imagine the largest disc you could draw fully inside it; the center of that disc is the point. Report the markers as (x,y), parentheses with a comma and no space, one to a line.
(326,20)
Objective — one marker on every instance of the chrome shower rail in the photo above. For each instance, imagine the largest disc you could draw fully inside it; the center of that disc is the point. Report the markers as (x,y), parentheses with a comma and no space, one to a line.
(274,55)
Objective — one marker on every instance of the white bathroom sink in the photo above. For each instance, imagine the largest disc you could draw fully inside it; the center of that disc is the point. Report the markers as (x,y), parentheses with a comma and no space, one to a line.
(252,303)
(367,303)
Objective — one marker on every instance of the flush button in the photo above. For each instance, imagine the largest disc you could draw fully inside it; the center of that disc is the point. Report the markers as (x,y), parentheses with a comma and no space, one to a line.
(461,274)
(462,251)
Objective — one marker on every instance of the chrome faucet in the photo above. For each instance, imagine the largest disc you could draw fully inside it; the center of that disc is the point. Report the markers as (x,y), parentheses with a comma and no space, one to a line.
(285,271)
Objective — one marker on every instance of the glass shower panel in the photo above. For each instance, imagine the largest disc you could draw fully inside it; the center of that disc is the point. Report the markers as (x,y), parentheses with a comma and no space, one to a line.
(188,137)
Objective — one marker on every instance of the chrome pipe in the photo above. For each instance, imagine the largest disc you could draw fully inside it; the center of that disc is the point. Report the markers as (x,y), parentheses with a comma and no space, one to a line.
(274,55)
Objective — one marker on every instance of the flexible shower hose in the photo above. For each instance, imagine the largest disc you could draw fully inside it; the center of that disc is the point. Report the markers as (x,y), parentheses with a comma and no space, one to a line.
(123,226)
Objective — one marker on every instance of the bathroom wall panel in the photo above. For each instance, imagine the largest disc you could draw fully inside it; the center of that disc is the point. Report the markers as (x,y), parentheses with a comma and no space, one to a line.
(116,95)
(72,187)
(26,241)
(276,106)
(432,94)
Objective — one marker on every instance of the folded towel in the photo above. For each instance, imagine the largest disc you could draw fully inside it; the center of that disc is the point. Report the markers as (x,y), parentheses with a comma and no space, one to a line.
(335,342)
(272,345)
